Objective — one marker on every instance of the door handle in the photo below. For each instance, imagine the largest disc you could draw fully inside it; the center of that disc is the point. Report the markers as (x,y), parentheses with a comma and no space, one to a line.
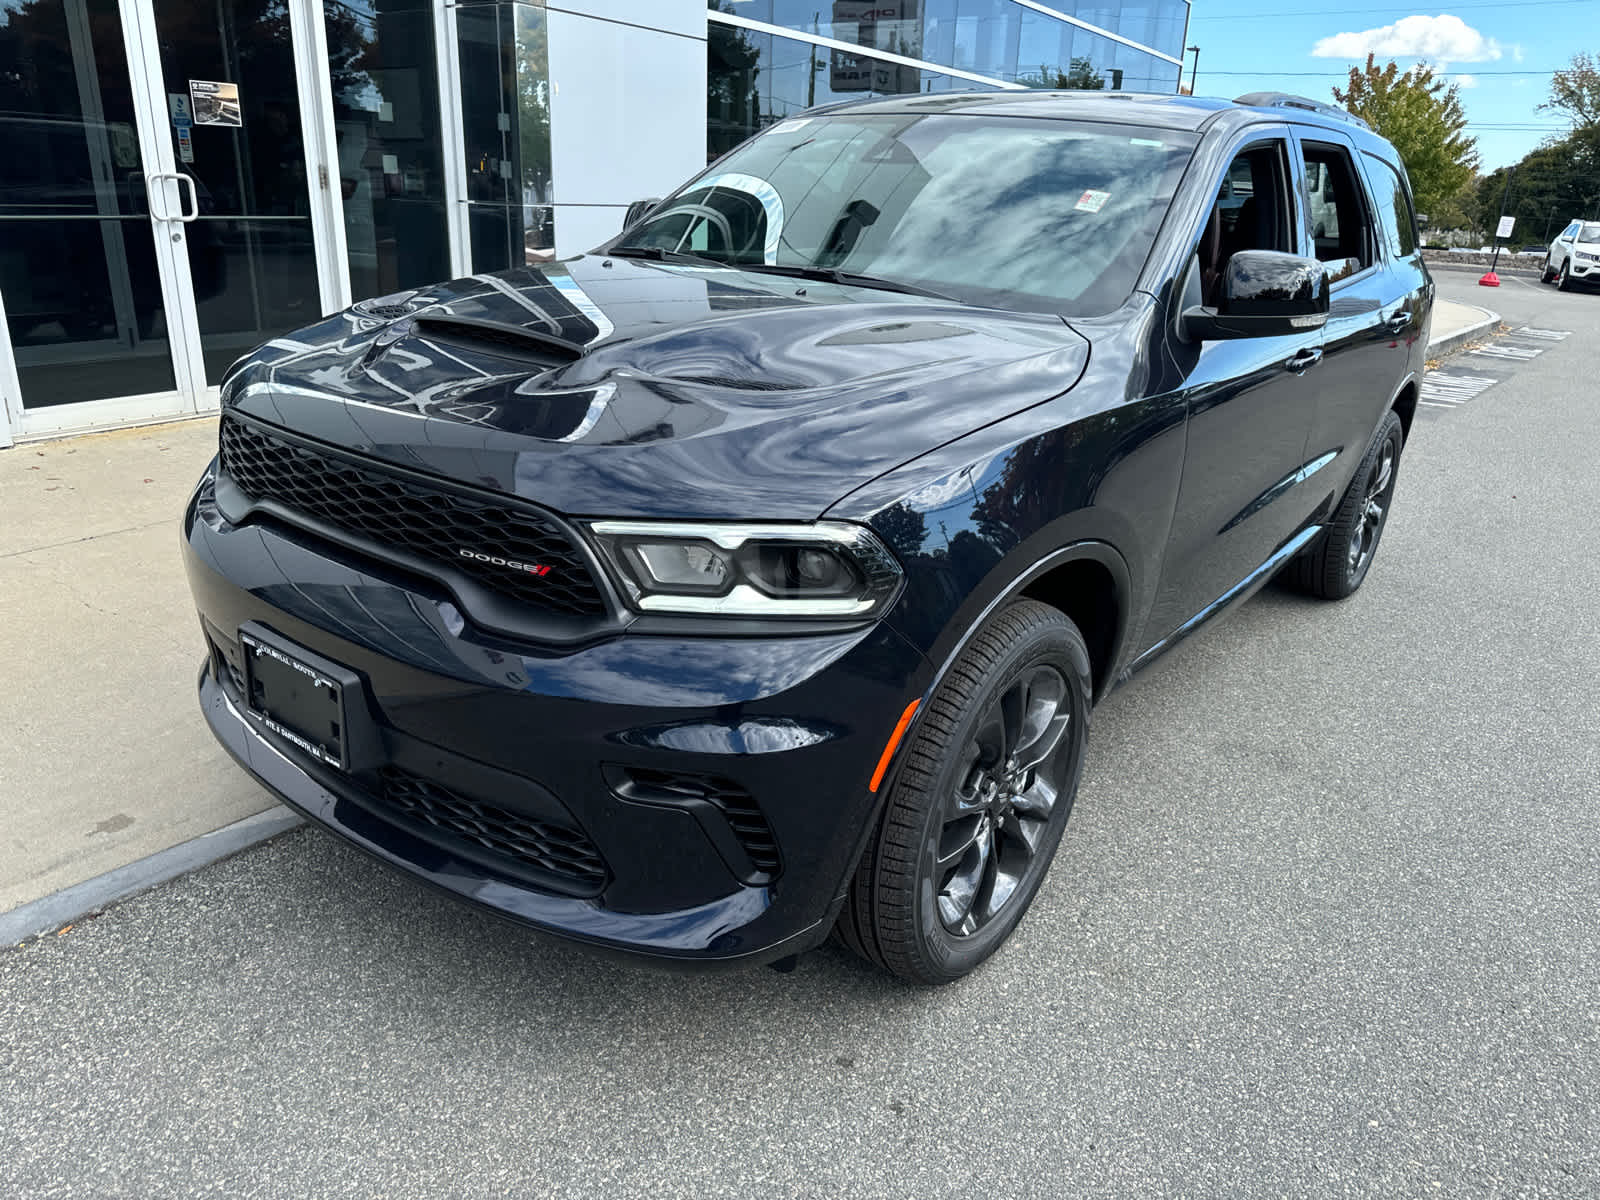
(1305,359)
(154,182)
(187,181)
(1398,322)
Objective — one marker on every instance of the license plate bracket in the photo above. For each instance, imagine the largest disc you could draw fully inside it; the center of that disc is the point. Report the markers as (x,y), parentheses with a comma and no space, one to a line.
(300,697)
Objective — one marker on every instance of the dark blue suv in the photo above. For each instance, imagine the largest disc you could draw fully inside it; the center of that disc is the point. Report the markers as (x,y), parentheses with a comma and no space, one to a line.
(753,576)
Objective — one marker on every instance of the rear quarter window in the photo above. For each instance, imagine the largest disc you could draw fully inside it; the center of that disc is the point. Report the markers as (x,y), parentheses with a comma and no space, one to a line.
(1395,211)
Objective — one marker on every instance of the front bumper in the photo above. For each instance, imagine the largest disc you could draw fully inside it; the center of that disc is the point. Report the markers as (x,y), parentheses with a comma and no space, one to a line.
(794,724)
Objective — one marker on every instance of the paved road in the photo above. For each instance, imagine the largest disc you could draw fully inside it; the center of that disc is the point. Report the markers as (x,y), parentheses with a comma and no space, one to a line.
(1323,925)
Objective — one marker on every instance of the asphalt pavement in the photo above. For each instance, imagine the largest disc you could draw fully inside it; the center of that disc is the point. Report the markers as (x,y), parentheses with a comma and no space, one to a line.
(1323,924)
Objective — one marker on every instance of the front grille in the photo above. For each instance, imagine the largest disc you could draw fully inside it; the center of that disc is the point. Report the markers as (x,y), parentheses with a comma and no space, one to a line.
(434,524)
(567,853)
(745,817)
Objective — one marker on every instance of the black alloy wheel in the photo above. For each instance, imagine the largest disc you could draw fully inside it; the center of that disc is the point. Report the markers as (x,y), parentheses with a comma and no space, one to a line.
(994,820)
(980,802)
(1335,565)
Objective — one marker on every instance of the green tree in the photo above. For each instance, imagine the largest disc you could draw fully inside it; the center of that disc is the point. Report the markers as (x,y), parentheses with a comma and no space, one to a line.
(1576,92)
(1552,185)
(1422,116)
(1080,75)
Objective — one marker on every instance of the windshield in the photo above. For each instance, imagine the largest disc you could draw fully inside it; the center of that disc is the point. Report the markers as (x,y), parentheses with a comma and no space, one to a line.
(1590,232)
(1001,212)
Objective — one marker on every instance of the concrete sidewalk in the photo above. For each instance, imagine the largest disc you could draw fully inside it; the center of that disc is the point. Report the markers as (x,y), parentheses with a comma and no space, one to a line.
(1456,325)
(107,761)
(104,759)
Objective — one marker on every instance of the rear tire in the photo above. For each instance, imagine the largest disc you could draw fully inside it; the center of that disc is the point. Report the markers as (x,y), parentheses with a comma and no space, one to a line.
(971,826)
(1335,565)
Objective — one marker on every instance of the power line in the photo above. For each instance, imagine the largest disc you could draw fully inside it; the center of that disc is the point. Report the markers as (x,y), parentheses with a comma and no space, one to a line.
(1343,74)
(1399,8)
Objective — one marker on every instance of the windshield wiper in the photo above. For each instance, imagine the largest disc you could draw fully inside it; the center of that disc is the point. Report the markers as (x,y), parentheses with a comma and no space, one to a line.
(834,275)
(657,254)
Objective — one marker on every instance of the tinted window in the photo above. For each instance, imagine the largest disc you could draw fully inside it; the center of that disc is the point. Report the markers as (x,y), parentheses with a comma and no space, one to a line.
(1590,232)
(1003,212)
(1338,216)
(1394,207)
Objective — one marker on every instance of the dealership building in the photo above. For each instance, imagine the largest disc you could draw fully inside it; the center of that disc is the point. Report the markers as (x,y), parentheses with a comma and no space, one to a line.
(182,181)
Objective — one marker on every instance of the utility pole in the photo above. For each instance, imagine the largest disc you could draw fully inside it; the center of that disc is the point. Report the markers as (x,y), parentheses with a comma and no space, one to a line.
(1195,69)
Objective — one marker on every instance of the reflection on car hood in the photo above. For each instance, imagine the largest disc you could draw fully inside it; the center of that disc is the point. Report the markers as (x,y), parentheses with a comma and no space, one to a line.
(690,392)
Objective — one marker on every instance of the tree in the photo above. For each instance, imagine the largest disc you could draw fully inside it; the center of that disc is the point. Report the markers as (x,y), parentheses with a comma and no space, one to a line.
(1079,76)
(1576,92)
(1422,116)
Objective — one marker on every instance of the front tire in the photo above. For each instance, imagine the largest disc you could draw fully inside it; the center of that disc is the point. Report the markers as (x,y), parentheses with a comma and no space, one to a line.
(1335,565)
(1546,275)
(1563,282)
(979,803)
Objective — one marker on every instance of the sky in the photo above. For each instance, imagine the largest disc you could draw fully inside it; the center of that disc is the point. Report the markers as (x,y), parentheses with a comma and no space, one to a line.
(1502,54)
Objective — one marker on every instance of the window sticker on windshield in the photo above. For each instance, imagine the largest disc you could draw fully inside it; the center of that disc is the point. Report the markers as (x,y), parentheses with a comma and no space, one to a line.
(1092,201)
(794,126)
(1147,142)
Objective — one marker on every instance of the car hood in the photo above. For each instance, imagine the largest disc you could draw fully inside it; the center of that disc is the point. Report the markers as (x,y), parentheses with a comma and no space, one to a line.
(654,389)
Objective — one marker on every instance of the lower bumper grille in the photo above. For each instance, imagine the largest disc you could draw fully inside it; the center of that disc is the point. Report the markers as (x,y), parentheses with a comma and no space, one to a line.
(566,853)
(744,815)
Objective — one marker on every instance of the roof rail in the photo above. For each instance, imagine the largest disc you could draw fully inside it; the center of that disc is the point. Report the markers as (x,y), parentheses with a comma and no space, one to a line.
(1286,100)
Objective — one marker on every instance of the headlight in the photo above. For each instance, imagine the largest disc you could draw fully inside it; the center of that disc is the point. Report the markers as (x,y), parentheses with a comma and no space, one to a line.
(1588,257)
(822,569)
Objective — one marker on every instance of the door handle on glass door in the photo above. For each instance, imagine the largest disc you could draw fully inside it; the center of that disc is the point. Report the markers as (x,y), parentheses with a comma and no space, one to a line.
(1304,360)
(187,181)
(156,182)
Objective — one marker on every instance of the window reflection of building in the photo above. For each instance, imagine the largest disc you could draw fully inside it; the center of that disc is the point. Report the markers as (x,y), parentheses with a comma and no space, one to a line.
(757,77)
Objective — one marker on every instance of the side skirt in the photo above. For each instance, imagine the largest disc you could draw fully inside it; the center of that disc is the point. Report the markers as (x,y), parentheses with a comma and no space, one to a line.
(1241,591)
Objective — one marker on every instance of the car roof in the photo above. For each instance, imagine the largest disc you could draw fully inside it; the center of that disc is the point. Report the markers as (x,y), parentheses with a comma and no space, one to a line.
(1196,114)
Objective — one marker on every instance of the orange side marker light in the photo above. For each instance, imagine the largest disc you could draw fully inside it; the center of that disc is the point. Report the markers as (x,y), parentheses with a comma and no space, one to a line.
(894,740)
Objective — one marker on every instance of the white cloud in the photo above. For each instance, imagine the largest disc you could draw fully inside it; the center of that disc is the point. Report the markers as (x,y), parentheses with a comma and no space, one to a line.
(1465,81)
(1442,39)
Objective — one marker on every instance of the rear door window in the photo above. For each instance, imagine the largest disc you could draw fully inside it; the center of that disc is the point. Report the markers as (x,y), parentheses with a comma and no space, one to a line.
(1338,211)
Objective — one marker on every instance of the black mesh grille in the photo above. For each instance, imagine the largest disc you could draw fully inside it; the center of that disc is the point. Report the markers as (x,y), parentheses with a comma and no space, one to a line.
(550,848)
(433,524)
(745,817)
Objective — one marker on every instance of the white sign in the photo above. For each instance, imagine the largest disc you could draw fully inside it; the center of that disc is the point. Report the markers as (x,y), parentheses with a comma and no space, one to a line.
(1506,225)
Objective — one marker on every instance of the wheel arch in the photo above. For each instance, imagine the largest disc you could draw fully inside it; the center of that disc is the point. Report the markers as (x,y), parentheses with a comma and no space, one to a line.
(1404,405)
(1088,580)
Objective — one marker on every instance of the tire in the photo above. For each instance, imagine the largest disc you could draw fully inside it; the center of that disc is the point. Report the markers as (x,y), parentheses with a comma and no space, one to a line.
(1546,275)
(1335,565)
(932,922)
(1563,281)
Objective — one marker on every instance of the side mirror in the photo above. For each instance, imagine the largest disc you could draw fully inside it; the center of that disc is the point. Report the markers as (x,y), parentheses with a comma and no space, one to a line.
(1265,293)
(639,210)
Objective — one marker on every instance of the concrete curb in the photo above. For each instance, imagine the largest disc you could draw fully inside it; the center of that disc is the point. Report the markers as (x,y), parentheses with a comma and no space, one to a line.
(1451,342)
(69,904)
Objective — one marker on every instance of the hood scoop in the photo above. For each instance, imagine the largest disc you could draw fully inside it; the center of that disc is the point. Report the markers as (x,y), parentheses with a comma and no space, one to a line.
(542,349)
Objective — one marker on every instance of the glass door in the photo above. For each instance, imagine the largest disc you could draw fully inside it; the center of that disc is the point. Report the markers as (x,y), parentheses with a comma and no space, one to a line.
(87,316)
(156,216)
(230,96)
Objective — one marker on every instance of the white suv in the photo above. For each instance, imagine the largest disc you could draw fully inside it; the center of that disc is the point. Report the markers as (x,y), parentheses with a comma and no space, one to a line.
(1574,257)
